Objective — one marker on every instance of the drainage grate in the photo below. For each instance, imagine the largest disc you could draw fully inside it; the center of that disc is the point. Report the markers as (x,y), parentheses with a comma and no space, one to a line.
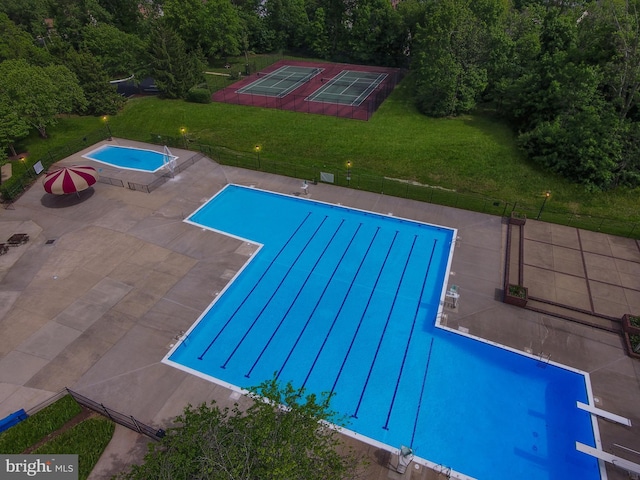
(50,242)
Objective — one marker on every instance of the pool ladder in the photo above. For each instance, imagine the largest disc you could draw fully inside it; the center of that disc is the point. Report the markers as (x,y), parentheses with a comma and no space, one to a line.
(543,360)
(442,470)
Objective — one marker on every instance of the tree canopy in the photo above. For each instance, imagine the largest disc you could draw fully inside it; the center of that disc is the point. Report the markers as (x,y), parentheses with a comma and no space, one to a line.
(565,75)
(38,94)
(283,434)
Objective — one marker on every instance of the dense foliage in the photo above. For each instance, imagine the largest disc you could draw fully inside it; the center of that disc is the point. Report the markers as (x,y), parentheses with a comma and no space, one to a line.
(565,75)
(279,436)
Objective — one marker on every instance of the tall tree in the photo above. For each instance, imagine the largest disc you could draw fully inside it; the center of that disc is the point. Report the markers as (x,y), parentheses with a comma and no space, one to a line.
(29,14)
(39,94)
(213,27)
(612,30)
(125,14)
(280,436)
(413,14)
(317,36)
(102,97)
(289,20)
(121,54)
(174,69)
(336,26)
(71,16)
(16,43)
(449,52)
(376,35)
(13,127)
(224,29)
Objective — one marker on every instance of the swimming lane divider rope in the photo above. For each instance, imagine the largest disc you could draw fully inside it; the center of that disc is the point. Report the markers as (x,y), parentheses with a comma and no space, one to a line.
(286,360)
(413,325)
(384,330)
(344,300)
(293,302)
(304,220)
(355,335)
(248,331)
(424,382)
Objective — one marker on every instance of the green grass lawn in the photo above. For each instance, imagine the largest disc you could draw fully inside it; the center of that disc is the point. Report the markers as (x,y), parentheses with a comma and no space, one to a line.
(30,431)
(87,439)
(468,154)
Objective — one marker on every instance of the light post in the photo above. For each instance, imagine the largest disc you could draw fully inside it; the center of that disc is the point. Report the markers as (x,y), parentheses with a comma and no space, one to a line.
(349,173)
(23,159)
(183,132)
(257,149)
(546,196)
(105,119)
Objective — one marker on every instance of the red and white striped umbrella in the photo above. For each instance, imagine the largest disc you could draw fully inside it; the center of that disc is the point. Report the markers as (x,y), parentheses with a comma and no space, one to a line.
(70,180)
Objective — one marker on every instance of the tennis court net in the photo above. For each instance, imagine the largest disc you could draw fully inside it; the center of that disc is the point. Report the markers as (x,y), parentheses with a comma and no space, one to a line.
(294,77)
(363,83)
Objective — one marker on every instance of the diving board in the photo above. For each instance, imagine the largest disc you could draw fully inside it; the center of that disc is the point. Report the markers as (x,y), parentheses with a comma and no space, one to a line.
(608,457)
(604,414)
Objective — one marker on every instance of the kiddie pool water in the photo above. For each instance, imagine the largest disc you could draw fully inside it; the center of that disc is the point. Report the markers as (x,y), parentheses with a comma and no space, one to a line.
(129,157)
(345,301)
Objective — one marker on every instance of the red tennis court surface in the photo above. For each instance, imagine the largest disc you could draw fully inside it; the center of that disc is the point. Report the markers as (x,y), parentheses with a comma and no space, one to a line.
(297,100)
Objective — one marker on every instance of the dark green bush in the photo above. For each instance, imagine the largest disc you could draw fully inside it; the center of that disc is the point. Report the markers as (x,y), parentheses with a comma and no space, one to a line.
(198,95)
(11,188)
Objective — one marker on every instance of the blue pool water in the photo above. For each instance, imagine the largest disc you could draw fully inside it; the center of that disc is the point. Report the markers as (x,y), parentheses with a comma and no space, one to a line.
(129,157)
(345,301)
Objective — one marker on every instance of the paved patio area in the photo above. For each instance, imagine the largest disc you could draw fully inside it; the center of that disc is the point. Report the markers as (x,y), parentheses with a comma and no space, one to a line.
(109,279)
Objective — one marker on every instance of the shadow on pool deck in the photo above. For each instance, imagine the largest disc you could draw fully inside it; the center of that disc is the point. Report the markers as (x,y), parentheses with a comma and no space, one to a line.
(95,299)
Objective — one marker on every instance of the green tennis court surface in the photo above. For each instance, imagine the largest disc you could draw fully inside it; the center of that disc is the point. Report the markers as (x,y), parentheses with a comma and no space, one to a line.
(281,82)
(348,87)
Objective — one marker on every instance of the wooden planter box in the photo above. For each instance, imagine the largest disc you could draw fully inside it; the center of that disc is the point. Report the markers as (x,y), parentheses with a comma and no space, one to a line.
(627,327)
(517,218)
(517,300)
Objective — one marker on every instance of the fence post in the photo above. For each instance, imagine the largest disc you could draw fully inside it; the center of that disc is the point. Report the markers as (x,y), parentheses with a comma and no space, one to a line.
(106,413)
(136,424)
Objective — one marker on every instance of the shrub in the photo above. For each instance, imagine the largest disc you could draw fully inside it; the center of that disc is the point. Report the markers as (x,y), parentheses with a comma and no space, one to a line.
(198,95)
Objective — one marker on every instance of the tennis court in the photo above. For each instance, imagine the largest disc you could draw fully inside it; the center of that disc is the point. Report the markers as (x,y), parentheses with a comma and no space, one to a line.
(348,87)
(336,89)
(280,82)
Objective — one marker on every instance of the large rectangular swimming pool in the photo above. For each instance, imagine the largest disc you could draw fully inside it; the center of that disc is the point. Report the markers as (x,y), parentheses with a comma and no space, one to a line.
(346,301)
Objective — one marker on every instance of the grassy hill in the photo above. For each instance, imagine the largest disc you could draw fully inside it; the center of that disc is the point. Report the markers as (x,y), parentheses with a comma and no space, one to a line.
(468,154)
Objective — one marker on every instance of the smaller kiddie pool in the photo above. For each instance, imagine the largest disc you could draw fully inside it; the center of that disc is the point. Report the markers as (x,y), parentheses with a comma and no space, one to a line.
(131,158)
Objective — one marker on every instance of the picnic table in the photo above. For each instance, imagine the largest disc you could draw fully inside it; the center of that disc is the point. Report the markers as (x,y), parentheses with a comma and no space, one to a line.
(18,239)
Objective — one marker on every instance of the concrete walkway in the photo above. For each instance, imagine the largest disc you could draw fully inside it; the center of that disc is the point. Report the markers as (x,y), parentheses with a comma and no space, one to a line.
(108,280)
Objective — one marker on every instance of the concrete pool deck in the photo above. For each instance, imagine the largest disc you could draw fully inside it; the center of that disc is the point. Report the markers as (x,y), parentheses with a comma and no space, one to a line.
(110,279)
